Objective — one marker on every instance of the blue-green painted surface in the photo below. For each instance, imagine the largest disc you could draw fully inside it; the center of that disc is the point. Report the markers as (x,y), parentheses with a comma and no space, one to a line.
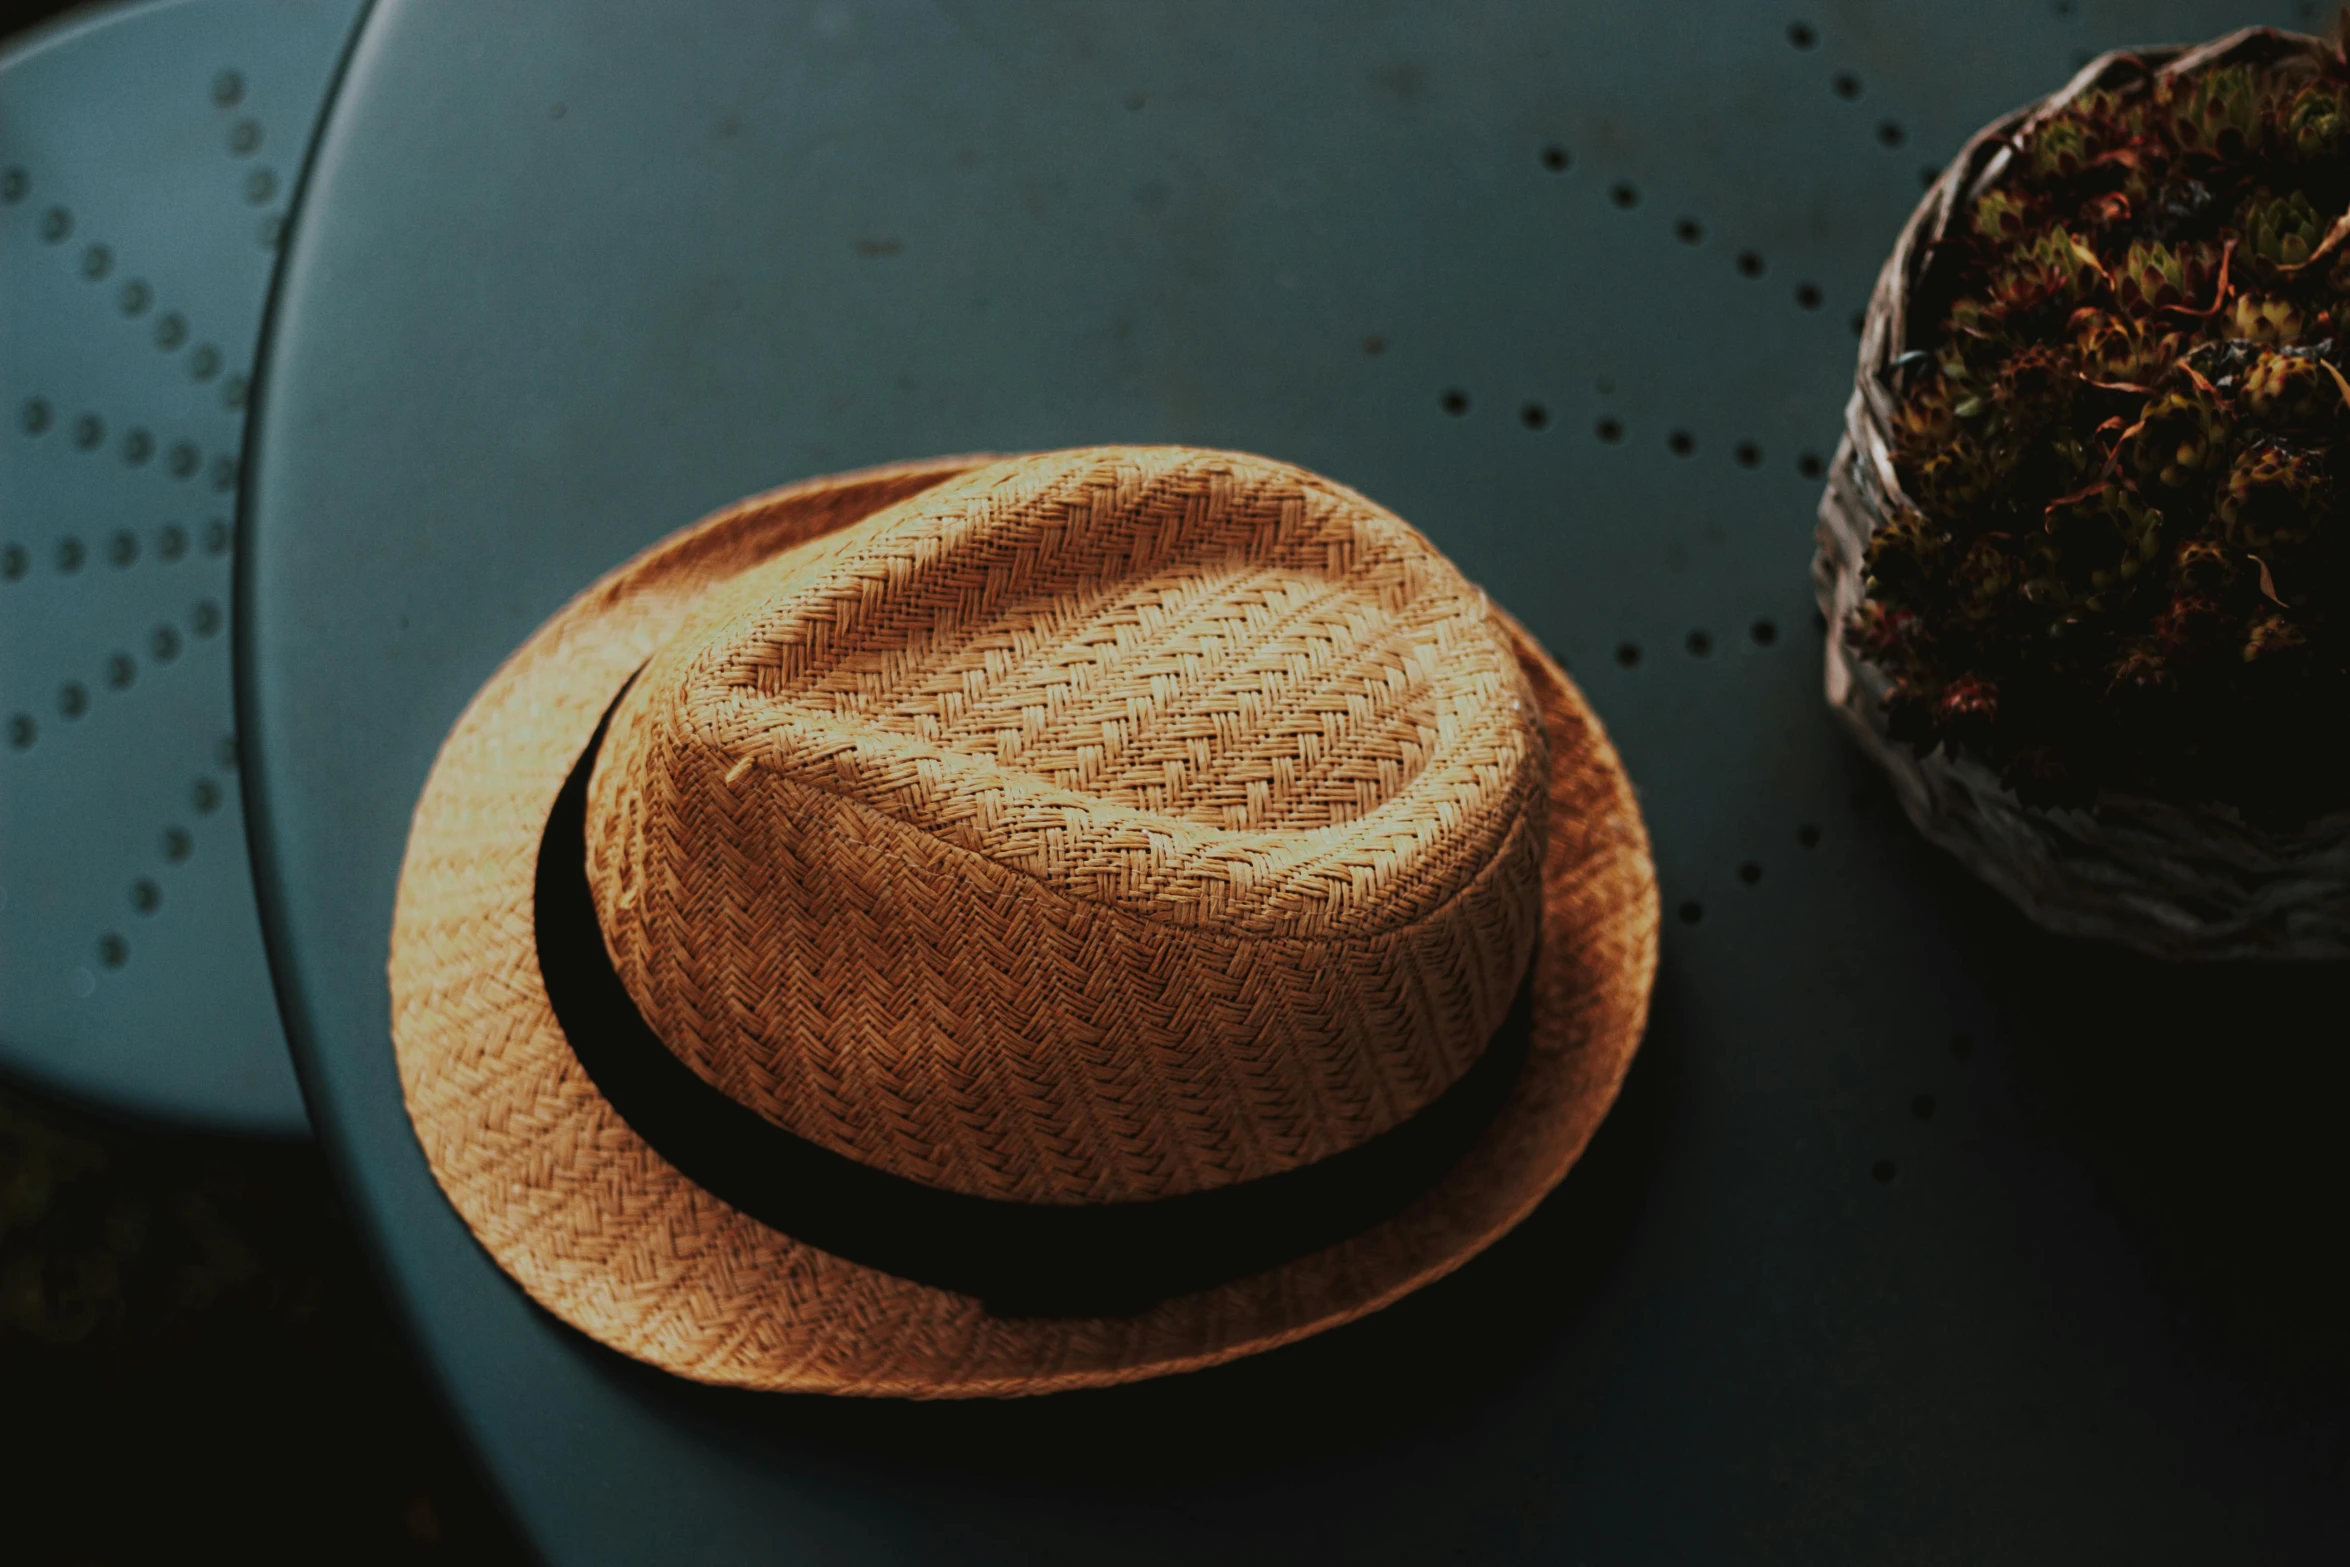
(146,158)
(564,281)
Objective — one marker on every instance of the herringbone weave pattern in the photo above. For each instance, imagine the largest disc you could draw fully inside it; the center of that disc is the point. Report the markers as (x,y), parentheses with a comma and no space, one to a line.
(1099,826)
(1021,828)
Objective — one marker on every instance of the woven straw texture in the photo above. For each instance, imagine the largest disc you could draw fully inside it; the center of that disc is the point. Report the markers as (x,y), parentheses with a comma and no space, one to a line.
(1102,824)
(1081,832)
(2176,881)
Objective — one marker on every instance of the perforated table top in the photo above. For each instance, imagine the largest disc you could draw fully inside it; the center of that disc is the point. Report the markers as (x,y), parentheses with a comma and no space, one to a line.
(1917,1236)
(146,160)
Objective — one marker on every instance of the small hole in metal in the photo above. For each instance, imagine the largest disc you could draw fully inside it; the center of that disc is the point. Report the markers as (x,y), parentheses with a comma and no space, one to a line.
(1890,133)
(89,432)
(123,548)
(1884,1170)
(13,185)
(1809,465)
(56,225)
(1764,632)
(1808,836)
(171,330)
(204,619)
(1700,644)
(1747,455)
(177,845)
(137,447)
(232,390)
(72,699)
(121,670)
(164,643)
(216,537)
(1750,873)
(1556,159)
(1455,402)
(1624,194)
(113,951)
(1534,416)
(15,561)
(1374,345)
(35,417)
(1692,911)
(1846,85)
(1689,231)
(206,795)
(97,261)
(224,473)
(22,731)
(70,554)
(224,752)
(1927,175)
(1610,430)
(244,137)
(1800,34)
(1628,654)
(135,297)
(184,460)
(228,89)
(1856,321)
(1922,1107)
(146,897)
(1808,295)
(260,185)
(1750,263)
(204,363)
(172,542)
(1681,443)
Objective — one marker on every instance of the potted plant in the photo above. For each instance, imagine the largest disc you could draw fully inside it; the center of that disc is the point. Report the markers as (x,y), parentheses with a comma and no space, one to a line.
(2085,548)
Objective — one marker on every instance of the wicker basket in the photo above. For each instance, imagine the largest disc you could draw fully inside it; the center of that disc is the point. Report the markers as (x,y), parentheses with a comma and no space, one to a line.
(2175,881)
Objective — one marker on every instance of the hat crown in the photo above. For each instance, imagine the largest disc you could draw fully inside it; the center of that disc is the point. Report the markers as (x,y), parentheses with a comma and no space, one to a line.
(1099,826)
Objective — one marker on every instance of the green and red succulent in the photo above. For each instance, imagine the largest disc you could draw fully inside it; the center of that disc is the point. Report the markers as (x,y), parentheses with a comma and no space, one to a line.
(2125,564)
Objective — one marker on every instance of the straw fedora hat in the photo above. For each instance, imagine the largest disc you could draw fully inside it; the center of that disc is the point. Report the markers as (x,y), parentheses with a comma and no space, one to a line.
(993,926)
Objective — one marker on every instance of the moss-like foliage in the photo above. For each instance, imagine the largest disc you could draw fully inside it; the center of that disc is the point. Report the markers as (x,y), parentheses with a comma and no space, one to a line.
(2128,445)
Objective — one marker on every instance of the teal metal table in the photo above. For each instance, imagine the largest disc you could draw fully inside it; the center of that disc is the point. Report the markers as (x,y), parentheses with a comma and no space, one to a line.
(1917,1236)
(147,155)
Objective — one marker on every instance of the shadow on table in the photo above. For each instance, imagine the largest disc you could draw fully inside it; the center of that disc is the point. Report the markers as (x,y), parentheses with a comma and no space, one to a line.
(2207,1103)
(1421,1364)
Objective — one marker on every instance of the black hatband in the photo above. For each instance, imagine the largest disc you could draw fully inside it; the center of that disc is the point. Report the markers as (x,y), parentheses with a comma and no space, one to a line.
(1024,1259)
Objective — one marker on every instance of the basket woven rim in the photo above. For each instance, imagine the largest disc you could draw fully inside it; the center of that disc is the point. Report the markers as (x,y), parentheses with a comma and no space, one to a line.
(600,1230)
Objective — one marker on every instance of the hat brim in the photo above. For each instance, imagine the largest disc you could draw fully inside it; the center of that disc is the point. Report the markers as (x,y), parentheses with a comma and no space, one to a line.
(606,1234)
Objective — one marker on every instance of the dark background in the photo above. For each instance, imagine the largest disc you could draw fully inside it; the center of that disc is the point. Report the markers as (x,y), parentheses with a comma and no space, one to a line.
(194,1360)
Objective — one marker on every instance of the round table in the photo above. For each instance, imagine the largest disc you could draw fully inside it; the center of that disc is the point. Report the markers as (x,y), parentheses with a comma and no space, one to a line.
(1917,1234)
